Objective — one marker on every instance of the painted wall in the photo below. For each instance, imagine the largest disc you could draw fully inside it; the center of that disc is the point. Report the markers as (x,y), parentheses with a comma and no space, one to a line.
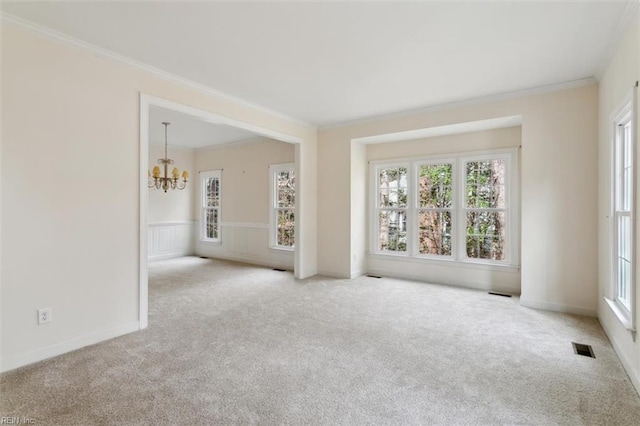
(174,205)
(73,115)
(558,160)
(487,278)
(245,200)
(620,75)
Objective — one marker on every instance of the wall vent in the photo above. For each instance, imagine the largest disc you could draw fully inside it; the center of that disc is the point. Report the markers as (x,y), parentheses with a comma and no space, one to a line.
(494,293)
(582,349)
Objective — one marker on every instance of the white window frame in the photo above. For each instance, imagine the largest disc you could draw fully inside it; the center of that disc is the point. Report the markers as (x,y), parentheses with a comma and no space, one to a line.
(625,114)
(204,208)
(274,169)
(376,206)
(413,182)
(458,249)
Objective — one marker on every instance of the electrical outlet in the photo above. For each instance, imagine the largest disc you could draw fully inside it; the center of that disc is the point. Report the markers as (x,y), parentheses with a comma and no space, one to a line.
(44,316)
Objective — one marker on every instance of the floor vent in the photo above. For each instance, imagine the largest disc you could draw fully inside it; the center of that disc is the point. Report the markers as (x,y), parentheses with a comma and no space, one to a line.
(279,269)
(584,350)
(493,293)
(373,276)
(202,257)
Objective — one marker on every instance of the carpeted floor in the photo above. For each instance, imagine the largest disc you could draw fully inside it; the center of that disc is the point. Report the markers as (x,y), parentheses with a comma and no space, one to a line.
(235,344)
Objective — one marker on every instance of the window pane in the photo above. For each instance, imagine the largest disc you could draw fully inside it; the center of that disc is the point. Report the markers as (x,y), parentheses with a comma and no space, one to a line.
(285,228)
(486,235)
(212,192)
(211,224)
(392,187)
(286,184)
(486,184)
(623,284)
(434,185)
(392,226)
(435,232)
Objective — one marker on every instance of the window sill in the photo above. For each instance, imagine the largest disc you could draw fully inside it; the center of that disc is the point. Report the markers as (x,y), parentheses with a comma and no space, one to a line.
(445,262)
(282,249)
(623,315)
(211,242)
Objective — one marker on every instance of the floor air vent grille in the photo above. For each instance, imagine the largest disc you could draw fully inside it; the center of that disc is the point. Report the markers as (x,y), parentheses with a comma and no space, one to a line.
(373,276)
(582,349)
(493,293)
(279,269)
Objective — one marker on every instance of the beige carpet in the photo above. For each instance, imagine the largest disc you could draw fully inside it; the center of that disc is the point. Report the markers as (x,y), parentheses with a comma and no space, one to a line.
(236,344)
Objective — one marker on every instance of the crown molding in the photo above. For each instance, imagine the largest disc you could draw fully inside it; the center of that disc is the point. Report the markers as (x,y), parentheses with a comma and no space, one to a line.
(627,18)
(74,42)
(468,102)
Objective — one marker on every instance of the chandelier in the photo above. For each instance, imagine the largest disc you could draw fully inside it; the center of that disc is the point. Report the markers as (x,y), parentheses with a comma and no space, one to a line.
(165,182)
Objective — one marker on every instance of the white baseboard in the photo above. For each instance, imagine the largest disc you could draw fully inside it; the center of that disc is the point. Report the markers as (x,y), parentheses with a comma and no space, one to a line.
(333,274)
(624,360)
(246,259)
(558,307)
(358,273)
(171,255)
(20,360)
(472,285)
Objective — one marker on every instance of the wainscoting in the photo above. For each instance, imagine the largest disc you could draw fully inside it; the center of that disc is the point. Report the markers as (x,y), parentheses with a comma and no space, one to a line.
(246,242)
(171,239)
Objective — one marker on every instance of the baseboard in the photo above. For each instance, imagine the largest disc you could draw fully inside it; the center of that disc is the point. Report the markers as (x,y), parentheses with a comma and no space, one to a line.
(333,274)
(475,286)
(624,360)
(171,255)
(358,273)
(558,307)
(30,357)
(247,259)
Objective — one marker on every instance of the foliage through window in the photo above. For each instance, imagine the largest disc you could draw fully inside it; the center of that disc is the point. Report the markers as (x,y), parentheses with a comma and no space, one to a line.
(283,199)
(456,208)
(210,184)
(392,209)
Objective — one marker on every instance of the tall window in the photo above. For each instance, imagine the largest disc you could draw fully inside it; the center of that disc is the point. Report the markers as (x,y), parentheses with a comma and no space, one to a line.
(210,188)
(622,189)
(283,206)
(485,209)
(435,208)
(460,208)
(392,209)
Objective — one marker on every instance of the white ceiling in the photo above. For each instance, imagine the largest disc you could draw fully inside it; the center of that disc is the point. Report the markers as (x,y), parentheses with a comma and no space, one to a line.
(327,62)
(187,131)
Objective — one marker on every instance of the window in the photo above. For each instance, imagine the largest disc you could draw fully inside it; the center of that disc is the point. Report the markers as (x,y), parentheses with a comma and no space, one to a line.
(210,188)
(283,206)
(392,209)
(622,206)
(454,208)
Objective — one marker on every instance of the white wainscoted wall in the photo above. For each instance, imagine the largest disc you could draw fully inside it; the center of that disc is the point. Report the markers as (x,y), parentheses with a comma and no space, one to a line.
(244,229)
(171,239)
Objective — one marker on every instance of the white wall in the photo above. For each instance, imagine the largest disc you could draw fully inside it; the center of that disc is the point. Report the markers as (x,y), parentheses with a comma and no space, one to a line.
(71,242)
(245,200)
(482,277)
(620,75)
(558,159)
